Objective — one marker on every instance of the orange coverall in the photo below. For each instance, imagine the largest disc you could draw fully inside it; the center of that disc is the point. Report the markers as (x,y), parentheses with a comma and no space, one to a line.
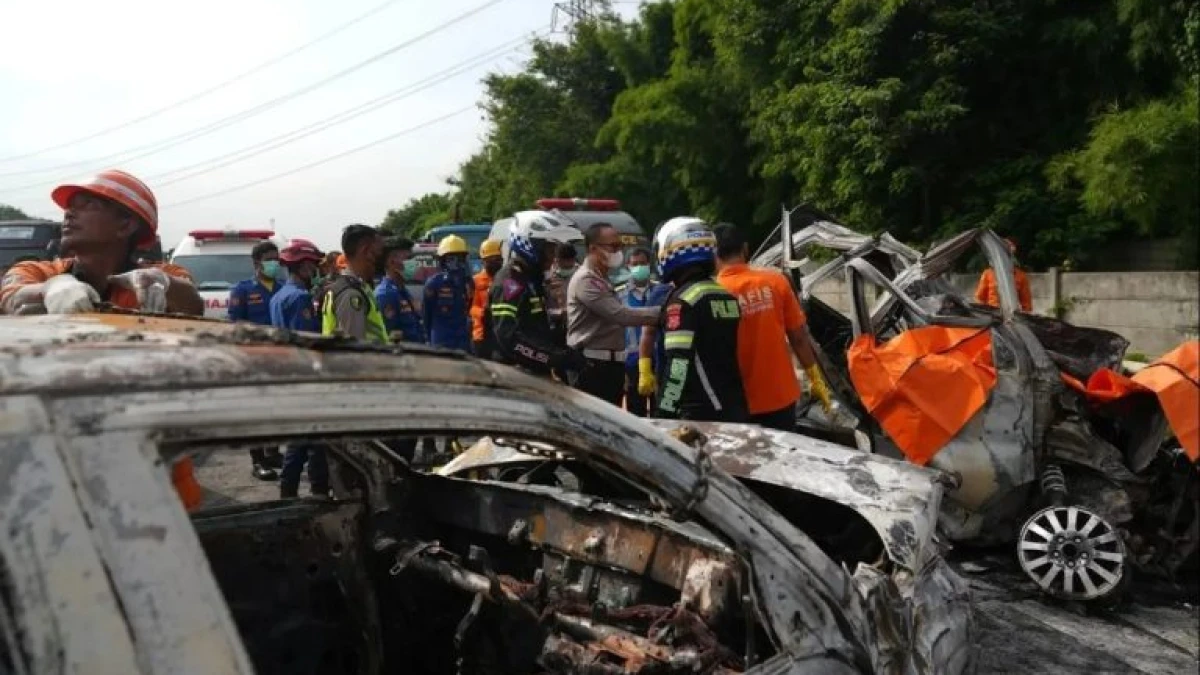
(986,292)
(483,282)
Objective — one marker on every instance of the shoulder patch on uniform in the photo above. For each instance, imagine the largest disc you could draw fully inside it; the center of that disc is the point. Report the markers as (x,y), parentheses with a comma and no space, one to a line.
(674,316)
(356,302)
(513,289)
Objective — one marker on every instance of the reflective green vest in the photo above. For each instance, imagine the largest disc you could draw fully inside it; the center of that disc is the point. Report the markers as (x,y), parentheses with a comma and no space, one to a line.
(376,330)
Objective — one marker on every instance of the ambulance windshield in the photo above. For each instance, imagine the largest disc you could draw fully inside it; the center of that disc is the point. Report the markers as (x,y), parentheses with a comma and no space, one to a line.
(216,272)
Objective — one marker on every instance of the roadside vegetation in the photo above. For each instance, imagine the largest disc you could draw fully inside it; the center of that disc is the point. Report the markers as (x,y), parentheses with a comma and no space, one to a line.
(1067,125)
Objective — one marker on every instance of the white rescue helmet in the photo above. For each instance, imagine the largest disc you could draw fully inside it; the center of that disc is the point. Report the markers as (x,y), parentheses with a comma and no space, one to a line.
(533,231)
(683,241)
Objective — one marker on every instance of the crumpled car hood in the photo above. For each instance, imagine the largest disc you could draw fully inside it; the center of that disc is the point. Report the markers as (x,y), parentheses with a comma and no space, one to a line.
(900,500)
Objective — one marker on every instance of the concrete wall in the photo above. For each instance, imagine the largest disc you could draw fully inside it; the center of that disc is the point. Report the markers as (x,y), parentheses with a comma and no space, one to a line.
(1155,311)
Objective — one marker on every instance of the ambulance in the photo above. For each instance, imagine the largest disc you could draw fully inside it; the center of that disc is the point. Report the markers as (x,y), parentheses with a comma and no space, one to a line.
(218,259)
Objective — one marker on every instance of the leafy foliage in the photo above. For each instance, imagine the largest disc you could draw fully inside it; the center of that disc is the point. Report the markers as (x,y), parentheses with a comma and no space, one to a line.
(420,215)
(1065,125)
(12,213)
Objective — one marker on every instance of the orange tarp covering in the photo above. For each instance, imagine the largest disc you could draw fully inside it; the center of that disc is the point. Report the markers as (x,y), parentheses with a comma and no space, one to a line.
(1174,378)
(1104,386)
(923,385)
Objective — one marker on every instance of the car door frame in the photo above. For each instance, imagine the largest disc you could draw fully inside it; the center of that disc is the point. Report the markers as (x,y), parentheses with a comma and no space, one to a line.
(105,569)
(797,589)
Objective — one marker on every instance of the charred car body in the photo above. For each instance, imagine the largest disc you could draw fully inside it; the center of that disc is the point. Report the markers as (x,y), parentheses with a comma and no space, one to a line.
(677,568)
(1085,492)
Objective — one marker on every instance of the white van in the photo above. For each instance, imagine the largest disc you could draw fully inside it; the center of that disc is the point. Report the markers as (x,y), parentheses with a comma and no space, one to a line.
(218,259)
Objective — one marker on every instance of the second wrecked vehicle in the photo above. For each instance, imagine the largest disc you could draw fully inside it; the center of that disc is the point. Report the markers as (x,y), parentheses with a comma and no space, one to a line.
(677,568)
(1085,487)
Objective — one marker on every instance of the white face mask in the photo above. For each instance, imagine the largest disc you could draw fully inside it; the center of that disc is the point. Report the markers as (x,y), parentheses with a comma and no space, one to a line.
(616,259)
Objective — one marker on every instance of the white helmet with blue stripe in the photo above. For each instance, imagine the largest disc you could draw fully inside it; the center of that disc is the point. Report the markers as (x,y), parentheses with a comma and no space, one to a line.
(531,232)
(682,242)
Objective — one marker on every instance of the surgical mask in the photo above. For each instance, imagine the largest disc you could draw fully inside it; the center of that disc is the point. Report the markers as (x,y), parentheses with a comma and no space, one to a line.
(410,268)
(271,269)
(616,259)
(565,272)
(640,273)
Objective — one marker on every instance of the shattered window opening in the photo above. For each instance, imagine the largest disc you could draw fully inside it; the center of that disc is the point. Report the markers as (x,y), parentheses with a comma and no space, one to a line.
(565,578)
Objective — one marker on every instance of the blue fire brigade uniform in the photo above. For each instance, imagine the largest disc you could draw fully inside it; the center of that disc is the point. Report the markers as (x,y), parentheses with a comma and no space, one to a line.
(656,294)
(399,312)
(250,300)
(447,302)
(292,308)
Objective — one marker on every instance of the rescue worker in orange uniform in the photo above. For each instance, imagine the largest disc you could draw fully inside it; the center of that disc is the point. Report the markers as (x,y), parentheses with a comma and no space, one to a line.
(771,331)
(107,221)
(490,252)
(986,292)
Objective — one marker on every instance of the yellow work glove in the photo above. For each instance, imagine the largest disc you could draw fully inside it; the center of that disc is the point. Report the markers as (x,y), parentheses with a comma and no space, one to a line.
(819,389)
(646,383)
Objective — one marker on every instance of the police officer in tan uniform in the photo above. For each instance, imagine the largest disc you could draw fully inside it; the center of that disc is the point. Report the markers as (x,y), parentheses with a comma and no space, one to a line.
(596,317)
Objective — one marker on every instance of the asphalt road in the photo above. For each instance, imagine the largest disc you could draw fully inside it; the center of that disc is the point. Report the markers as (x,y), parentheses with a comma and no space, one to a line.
(1019,631)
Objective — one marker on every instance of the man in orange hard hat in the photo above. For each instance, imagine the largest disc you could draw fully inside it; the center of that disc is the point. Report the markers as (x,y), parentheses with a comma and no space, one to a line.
(107,221)
(986,292)
(490,252)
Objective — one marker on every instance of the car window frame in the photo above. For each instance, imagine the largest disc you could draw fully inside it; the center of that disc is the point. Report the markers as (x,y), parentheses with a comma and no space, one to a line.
(804,583)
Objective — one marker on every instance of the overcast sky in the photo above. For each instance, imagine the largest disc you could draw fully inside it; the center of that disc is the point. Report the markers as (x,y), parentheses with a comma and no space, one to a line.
(72,68)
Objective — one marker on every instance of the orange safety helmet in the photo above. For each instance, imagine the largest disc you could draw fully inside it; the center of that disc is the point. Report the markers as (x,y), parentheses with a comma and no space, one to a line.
(121,188)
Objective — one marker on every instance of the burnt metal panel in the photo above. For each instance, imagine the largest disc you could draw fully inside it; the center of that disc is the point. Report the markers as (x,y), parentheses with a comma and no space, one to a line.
(59,612)
(175,610)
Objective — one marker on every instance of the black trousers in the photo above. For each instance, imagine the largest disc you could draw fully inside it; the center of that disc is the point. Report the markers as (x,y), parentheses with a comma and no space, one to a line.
(604,380)
(783,419)
(265,455)
(635,403)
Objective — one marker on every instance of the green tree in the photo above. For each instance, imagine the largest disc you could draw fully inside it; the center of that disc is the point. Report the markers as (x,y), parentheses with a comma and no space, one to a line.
(543,121)
(1141,164)
(1065,125)
(12,213)
(419,215)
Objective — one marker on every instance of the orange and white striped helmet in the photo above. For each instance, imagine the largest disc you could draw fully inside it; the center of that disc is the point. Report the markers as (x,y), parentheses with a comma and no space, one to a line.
(121,188)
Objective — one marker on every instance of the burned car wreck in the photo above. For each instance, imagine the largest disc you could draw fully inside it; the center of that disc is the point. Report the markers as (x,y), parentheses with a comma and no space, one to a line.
(1085,489)
(641,555)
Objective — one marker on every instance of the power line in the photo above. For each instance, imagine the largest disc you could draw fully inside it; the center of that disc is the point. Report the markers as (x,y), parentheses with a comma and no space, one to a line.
(179,139)
(227,159)
(326,160)
(215,88)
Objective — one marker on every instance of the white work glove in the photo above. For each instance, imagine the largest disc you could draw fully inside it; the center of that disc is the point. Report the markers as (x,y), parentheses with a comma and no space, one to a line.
(149,284)
(64,294)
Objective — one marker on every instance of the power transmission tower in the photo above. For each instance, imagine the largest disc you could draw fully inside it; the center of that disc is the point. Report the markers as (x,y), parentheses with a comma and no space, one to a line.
(569,13)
